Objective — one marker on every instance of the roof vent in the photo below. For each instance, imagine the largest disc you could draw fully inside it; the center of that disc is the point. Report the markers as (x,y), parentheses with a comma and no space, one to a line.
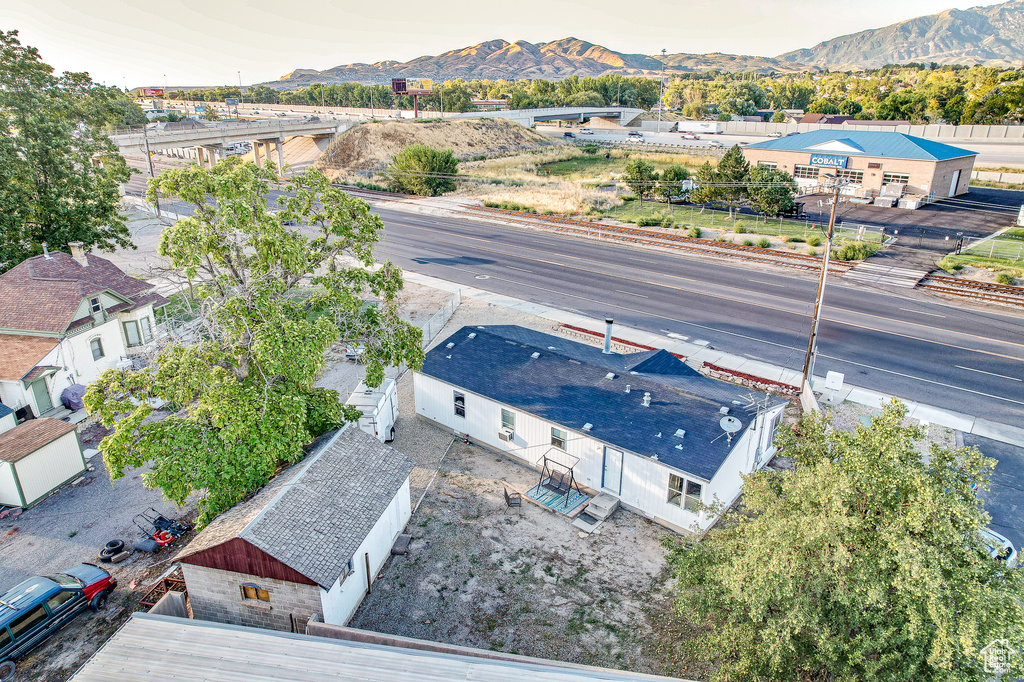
(647,399)
(472,335)
(609,375)
(552,348)
(627,388)
(723,410)
(655,456)
(448,357)
(449,345)
(680,433)
(679,446)
(46,252)
(535,355)
(658,434)
(588,426)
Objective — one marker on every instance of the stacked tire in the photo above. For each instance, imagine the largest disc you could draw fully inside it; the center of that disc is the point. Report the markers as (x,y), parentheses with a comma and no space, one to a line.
(113,552)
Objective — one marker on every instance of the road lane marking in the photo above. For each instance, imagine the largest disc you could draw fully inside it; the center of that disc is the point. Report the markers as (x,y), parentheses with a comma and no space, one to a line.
(771,284)
(519,269)
(993,374)
(630,293)
(921,312)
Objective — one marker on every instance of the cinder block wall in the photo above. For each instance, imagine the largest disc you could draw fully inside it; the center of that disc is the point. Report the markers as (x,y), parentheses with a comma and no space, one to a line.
(216,595)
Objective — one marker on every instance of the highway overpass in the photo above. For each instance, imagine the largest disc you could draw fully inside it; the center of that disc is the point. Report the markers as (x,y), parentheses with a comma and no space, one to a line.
(210,140)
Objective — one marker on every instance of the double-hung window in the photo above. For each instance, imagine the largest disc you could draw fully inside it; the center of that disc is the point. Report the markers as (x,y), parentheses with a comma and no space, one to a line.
(460,404)
(558,438)
(508,420)
(96,346)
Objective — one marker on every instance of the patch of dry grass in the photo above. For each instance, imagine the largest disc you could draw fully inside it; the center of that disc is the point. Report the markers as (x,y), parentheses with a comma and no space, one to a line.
(555,197)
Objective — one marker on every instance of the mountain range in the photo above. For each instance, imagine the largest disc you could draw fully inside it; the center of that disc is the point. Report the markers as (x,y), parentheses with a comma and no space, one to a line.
(992,36)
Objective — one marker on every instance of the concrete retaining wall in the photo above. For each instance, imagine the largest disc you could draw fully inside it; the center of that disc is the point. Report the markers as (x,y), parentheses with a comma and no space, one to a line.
(991,176)
(945,133)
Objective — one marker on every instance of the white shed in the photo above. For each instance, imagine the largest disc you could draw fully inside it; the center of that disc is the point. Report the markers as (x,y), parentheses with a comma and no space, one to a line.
(36,458)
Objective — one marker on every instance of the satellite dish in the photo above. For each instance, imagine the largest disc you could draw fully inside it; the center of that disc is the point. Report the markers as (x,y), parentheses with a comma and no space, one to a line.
(731,424)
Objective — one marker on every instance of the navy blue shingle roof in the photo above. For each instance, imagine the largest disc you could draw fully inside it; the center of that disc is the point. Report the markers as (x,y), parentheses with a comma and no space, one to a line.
(865,143)
(567,384)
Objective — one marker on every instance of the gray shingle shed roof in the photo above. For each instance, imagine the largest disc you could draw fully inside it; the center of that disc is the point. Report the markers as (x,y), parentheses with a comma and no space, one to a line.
(315,514)
(566,384)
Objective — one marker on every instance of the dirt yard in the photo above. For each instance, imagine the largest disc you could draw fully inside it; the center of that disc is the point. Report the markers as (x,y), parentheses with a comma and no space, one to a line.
(523,583)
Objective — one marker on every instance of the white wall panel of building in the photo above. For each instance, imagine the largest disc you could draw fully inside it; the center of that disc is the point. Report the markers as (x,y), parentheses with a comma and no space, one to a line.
(9,494)
(50,466)
(344,597)
(644,482)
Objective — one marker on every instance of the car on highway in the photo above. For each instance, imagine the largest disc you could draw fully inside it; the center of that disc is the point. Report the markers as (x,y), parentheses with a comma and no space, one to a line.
(690,136)
(568,135)
(999,547)
(311,119)
(775,134)
(586,131)
(716,144)
(635,135)
(35,609)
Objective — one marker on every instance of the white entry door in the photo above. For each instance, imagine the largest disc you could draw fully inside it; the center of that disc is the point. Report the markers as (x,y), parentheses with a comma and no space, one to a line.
(953,183)
(611,480)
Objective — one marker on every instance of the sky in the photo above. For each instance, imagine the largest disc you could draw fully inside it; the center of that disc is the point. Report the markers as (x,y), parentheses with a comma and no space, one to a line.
(130,43)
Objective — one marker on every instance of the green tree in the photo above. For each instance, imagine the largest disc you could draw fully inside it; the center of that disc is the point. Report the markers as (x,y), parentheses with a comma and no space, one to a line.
(420,170)
(273,300)
(211,113)
(771,191)
(731,174)
(587,98)
(671,181)
(59,173)
(641,178)
(779,117)
(862,563)
(707,190)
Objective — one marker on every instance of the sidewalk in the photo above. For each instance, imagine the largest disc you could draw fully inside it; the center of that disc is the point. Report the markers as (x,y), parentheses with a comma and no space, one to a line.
(698,351)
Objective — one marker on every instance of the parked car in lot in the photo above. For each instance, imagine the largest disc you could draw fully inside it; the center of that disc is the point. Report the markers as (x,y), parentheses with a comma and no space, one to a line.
(1000,548)
(690,136)
(33,610)
(568,135)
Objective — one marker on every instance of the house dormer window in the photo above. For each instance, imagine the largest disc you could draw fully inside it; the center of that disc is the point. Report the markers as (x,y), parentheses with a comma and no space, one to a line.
(94,304)
(96,346)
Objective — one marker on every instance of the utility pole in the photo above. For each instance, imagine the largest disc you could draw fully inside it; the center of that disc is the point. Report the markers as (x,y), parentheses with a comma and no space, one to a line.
(322,105)
(661,97)
(149,161)
(241,97)
(812,342)
(442,96)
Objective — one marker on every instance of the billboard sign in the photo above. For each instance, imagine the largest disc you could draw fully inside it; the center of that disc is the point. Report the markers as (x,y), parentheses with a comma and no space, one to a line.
(412,86)
(829,161)
(200,108)
(152,92)
(231,102)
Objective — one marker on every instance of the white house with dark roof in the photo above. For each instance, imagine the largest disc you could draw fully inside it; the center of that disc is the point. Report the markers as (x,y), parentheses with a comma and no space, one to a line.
(309,543)
(643,428)
(64,320)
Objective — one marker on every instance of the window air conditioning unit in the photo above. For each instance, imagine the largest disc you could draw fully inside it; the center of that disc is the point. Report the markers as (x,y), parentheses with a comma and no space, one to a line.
(506,435)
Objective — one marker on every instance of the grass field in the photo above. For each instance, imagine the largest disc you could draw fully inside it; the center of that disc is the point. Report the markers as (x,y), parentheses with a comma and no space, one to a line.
(583,166)
(1009,246)
(687,216)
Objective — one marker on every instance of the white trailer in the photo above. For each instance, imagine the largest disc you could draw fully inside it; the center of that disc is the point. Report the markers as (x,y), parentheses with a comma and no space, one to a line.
(706,127)
(379,407)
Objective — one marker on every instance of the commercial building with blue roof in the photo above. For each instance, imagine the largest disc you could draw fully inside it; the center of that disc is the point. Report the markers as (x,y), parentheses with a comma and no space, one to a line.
(643,427)
(868,160)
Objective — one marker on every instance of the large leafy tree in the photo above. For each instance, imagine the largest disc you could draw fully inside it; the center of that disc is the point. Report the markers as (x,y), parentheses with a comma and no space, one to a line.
(641,178)
(862,563)
(59,173)
(670,184)
(271,300)
(419,169)
(771,191)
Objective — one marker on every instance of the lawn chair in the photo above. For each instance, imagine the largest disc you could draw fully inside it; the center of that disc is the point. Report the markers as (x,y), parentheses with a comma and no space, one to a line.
(513,501)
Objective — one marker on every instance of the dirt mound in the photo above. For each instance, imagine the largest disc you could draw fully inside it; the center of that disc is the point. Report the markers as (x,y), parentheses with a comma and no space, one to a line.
(367,148)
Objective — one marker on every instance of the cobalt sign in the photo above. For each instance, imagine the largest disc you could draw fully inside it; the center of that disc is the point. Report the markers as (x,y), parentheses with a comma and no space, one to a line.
(828,161)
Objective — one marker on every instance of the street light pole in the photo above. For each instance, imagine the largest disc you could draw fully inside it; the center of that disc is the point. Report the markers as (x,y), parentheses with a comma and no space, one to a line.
(812,342)
(661,97)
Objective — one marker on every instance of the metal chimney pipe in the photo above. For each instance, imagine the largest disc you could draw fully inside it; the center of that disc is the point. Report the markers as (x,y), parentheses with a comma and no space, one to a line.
(607,336)
(46,252)
(647,399)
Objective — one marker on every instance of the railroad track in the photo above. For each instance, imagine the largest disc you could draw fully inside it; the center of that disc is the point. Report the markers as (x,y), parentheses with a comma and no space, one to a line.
(647,238)
(965,288)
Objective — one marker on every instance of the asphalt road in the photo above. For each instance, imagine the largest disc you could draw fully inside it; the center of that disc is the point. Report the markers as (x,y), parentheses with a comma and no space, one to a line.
(1004,499)
(958,357)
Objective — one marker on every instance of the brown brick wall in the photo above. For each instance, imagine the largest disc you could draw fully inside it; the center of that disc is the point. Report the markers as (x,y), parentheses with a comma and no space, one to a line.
(216,595)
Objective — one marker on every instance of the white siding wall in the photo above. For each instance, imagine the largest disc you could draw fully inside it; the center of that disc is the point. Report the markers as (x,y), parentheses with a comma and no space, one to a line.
(8,487)
(644,481)
(50,466)
(7,422)
(76,355)
(341,601)
(743,460)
